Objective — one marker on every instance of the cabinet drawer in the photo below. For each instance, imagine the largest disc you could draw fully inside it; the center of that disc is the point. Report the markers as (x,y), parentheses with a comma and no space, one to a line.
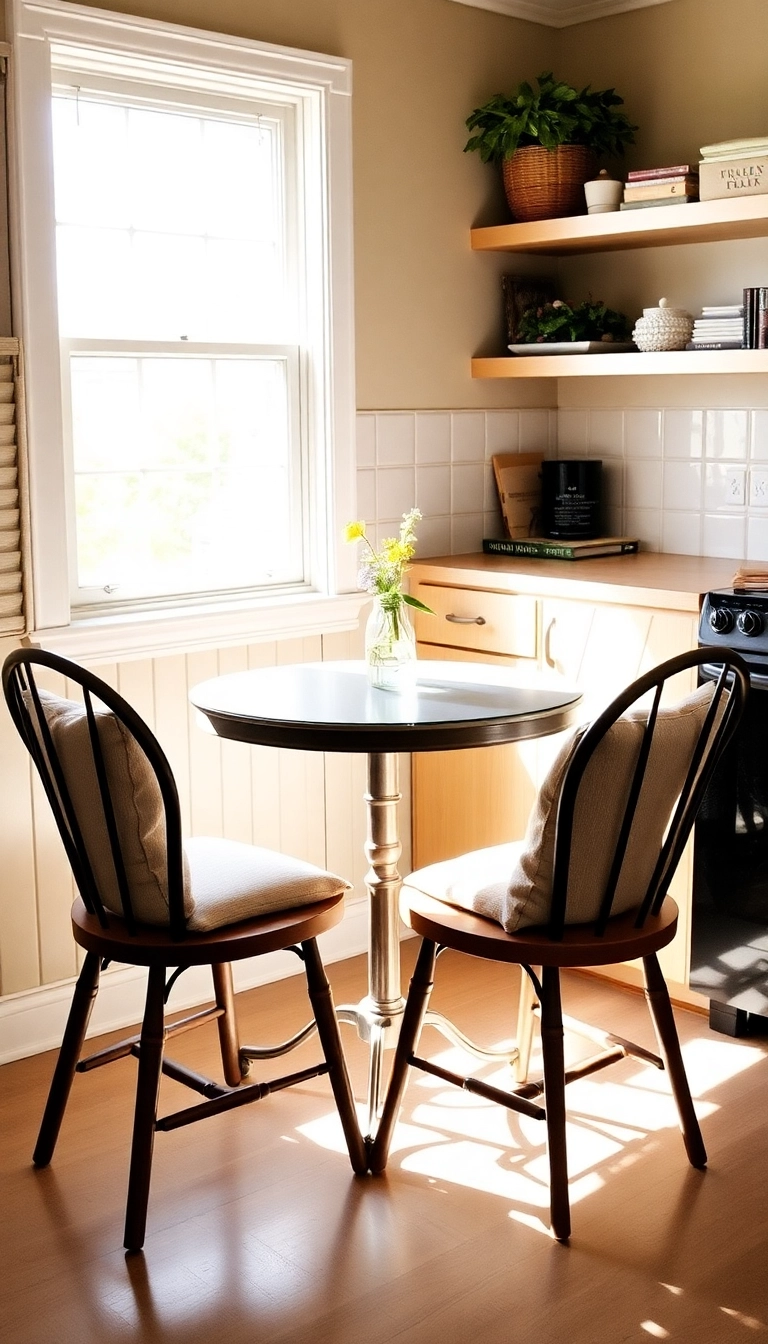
(466,618)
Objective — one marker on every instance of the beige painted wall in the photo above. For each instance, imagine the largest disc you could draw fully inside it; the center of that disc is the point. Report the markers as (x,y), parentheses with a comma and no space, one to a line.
(691,72)
(424,303)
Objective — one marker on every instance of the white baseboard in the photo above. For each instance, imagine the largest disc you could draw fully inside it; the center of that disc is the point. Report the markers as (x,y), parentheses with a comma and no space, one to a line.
(34,1020)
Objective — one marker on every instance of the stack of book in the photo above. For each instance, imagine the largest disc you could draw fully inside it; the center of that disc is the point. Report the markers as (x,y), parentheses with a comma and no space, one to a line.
(548,548)
(755,318)
(751,578)
(718,328)
(661,186)
(734,169)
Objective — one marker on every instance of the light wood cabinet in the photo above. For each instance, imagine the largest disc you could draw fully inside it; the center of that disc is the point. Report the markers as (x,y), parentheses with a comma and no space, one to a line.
(596,636)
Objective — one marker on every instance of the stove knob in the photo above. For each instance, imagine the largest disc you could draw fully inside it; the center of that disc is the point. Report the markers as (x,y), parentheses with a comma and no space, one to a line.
(750,623)
(721,620)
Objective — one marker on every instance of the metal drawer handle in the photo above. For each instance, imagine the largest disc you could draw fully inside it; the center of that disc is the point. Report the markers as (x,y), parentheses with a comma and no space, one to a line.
(466,620)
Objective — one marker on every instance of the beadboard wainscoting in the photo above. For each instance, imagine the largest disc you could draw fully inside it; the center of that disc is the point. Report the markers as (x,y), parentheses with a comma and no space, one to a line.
(308,804)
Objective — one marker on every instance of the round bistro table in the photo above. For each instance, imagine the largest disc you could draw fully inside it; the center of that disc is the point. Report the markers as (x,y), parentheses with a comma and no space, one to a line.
(332,707)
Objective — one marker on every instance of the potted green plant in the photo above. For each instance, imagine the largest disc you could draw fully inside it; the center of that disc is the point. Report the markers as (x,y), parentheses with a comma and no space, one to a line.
(548,141)
(562,321)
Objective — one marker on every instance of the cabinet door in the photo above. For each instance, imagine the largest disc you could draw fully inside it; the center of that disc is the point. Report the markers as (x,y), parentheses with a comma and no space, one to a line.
(464,800)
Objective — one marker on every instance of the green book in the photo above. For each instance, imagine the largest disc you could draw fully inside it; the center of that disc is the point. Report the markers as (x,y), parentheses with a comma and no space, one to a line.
(659,200)
(548,548)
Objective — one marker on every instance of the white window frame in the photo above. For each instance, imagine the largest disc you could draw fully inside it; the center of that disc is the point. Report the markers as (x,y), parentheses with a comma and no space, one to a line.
(329,601)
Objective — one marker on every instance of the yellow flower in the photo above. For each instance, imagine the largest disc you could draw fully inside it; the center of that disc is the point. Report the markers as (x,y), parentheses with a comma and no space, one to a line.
(354,531)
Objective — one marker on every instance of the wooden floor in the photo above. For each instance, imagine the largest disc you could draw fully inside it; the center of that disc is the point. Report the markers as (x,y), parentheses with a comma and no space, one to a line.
(259,1231)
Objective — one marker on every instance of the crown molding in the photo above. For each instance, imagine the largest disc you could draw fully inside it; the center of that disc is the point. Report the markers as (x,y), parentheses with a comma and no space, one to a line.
(560,13)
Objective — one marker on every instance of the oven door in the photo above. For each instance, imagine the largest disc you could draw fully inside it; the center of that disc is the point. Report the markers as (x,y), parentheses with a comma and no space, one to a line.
(729,938)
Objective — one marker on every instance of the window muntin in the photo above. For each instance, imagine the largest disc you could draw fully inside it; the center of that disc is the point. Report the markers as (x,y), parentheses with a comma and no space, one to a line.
(173,230)
(192,455)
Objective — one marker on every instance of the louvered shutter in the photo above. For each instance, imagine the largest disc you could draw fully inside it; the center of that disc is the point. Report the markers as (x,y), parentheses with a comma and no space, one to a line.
(15,616)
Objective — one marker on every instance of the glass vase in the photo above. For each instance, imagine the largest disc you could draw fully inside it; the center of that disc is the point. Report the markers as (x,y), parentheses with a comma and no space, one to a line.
(390,646)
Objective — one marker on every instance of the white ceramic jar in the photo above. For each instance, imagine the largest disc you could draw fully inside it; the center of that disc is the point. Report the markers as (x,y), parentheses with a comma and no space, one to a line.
(663,328)
(603,194)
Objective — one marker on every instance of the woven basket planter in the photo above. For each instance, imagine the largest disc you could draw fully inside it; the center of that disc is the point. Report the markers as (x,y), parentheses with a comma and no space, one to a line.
(547,183)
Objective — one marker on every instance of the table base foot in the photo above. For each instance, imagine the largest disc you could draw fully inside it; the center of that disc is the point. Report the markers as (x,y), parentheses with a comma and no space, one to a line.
(504,1054)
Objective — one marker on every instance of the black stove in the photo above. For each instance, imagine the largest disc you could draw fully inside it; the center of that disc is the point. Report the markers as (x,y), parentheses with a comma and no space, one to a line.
(731,619)
(729,933)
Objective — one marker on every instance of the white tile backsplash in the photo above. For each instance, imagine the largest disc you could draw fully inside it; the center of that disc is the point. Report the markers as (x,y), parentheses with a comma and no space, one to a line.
(642,484)
(757,537)
(433,490)
(725,486)
(642,433)
(572,433)
(366,441)
(536,431)
(687,480)
(759,436)
(396,492)
(606,434)
(726,434)
(468,493)
(395,438)
(366,496)
(683,433)
(433,437)
(758,487)
(502,432)
(682,486)
(468,436)
(723,535)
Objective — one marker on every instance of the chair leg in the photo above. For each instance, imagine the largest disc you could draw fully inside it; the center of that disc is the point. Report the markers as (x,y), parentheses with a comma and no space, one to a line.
(86,990)
(147,1092)
(657,995)
(554,1101)
(413,1020)
(330,1039)
(525,1025)
(229,1039)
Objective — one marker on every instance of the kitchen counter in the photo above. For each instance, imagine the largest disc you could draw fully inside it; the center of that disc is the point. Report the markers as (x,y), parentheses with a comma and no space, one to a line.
(649,578)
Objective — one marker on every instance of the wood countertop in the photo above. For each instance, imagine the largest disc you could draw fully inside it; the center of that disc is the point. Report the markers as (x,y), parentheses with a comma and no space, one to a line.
(649,578)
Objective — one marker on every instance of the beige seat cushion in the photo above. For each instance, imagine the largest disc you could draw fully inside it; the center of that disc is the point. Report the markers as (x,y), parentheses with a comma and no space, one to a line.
(525,898)
(224,881)
(136,799)
(230,881)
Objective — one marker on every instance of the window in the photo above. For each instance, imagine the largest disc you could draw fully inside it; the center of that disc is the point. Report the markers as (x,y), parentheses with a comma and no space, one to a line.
(184,248)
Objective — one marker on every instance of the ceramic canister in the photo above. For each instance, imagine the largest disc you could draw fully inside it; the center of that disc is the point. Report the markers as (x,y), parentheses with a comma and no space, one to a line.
(571,499)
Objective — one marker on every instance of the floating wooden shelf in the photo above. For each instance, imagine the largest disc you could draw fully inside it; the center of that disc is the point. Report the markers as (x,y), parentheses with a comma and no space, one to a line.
(580,366)
(696,222)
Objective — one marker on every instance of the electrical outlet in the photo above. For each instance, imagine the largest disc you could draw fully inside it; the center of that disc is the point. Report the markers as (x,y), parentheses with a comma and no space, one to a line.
(758,488)
(735,487)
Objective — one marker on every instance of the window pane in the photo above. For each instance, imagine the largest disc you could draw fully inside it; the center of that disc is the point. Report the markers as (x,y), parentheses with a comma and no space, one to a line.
(170,225)
(184,480)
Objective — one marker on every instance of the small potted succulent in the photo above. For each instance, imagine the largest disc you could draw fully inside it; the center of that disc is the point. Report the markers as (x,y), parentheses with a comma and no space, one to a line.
(548,141)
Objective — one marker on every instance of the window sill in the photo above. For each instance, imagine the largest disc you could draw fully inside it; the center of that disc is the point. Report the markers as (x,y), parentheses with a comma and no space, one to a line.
(118,638)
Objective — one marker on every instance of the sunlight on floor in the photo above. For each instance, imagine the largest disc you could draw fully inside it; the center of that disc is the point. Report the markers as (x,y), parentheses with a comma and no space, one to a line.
(454,1137)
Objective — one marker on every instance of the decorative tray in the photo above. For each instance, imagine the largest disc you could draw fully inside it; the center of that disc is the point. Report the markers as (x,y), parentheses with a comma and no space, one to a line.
(573,348)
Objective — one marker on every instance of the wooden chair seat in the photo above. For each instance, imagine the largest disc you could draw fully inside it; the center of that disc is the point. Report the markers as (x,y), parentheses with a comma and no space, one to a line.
(481,937)
(152,945)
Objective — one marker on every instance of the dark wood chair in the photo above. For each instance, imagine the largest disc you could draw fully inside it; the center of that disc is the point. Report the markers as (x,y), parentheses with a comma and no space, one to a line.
(108,781)
(637,804)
